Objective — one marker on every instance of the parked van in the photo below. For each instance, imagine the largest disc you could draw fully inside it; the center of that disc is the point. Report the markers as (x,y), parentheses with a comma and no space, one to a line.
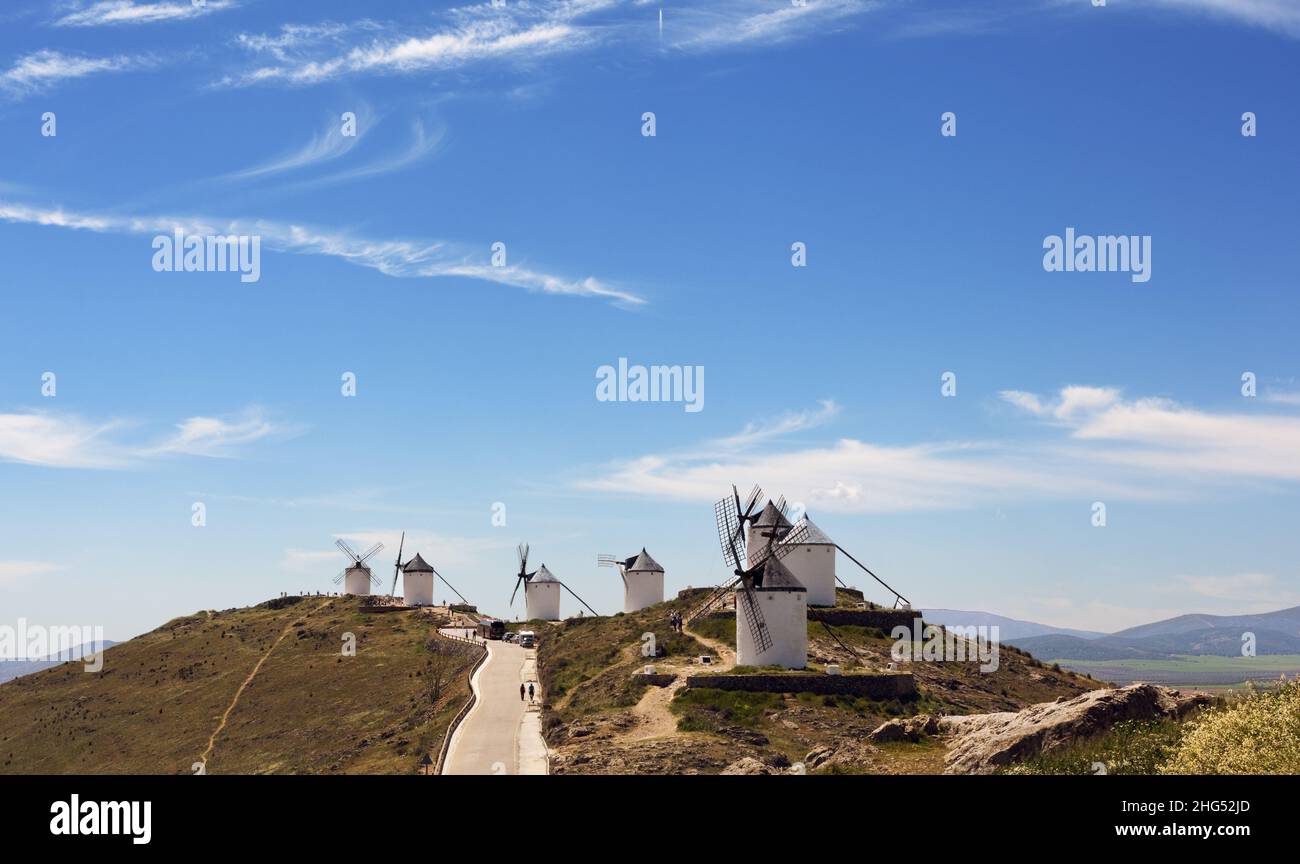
(527,638)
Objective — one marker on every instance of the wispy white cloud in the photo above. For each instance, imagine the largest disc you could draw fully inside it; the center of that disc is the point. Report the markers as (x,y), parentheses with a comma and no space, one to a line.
(109,12)
(729,23)
(220,437)
(1281,16)
(40,438)
(1159,434)
(53,440)
(1096,444)
(15,572)
(391,257)
(507,34)
(325,146)
(42,69)
(786,424)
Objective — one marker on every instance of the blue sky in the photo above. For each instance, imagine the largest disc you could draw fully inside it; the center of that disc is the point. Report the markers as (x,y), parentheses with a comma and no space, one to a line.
(775,124)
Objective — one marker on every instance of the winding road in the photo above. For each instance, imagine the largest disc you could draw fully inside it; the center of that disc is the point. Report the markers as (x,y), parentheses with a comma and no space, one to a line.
(502,734)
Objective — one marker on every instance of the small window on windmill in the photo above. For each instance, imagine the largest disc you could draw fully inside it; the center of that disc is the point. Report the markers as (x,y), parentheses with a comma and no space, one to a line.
(706,660)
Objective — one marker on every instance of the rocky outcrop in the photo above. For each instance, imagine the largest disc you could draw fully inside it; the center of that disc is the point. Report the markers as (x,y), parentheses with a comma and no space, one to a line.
(983,743)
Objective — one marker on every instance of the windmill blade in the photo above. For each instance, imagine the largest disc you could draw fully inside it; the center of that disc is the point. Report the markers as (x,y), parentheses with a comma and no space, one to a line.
(728,520)
(522,552)
(782,507)
(339,578)
(754,617)
(376,581)
(613,561)
(371,551)
(452,587)
(397,566)
(519,579)
(755,495)
(580,600)
(779,550)
(715,599)
(347,550)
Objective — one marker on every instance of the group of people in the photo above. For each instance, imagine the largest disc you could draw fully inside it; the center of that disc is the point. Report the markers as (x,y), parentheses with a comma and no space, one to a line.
(526,689)
(675,621)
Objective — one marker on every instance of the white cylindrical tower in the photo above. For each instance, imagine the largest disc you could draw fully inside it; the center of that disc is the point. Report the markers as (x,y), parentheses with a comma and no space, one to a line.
(542,596)
(755,542)
(812,561)
(417,582)
(643,582)
(357,580)
(784,606)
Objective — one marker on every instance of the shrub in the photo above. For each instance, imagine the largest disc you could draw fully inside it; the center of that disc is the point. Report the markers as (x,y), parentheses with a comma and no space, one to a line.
(1258,734)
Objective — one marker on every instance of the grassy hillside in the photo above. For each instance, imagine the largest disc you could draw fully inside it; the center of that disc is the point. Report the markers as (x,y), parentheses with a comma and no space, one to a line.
(599,720)
(160,697)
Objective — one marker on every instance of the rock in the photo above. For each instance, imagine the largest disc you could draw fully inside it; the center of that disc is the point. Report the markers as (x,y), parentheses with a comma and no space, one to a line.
(846,752)
(746,736)
(982,743)
(906,729)
(747,766)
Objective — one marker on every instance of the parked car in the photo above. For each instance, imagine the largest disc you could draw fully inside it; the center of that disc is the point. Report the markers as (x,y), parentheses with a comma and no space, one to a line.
(510,637)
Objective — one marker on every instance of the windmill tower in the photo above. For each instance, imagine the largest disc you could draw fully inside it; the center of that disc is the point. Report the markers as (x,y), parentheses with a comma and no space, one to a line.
(542,596)
(357,578)
(541,590)
(643,579)
(771,604)
(417,582)
(812,561)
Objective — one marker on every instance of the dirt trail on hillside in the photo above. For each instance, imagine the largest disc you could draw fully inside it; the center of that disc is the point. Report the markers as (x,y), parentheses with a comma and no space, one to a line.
(288,628)
(723,654)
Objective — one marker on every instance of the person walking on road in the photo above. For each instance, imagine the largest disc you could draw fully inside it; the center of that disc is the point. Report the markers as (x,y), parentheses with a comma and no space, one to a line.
(530,692)
(521,692)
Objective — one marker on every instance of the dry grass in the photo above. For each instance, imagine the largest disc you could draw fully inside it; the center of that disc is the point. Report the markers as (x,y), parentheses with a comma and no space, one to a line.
(309,709)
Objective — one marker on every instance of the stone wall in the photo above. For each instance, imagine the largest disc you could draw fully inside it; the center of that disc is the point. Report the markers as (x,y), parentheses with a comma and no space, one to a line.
(871,686)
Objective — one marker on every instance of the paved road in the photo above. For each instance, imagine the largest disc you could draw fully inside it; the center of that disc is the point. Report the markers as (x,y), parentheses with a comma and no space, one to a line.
(501,734)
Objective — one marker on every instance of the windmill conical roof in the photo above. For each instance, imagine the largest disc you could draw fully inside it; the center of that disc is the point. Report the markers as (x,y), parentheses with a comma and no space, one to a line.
(814,536)
(775,576)
(417,565)
(643,561)
(771,516)
(543,575)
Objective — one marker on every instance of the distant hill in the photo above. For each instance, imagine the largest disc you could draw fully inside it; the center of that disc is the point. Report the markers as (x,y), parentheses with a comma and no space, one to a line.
(11,669)
(160,699)
(1276,633)
(1008,628)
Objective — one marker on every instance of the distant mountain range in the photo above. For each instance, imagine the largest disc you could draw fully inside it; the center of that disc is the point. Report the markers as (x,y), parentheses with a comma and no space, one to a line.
(11,669)
(1008,628)
(1215,635)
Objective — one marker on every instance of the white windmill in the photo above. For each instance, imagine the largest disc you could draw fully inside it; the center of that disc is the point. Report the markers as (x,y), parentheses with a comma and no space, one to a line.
(643,579)
(417,584)
(541,590)
(357,578)
(812,561)
(771,604)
